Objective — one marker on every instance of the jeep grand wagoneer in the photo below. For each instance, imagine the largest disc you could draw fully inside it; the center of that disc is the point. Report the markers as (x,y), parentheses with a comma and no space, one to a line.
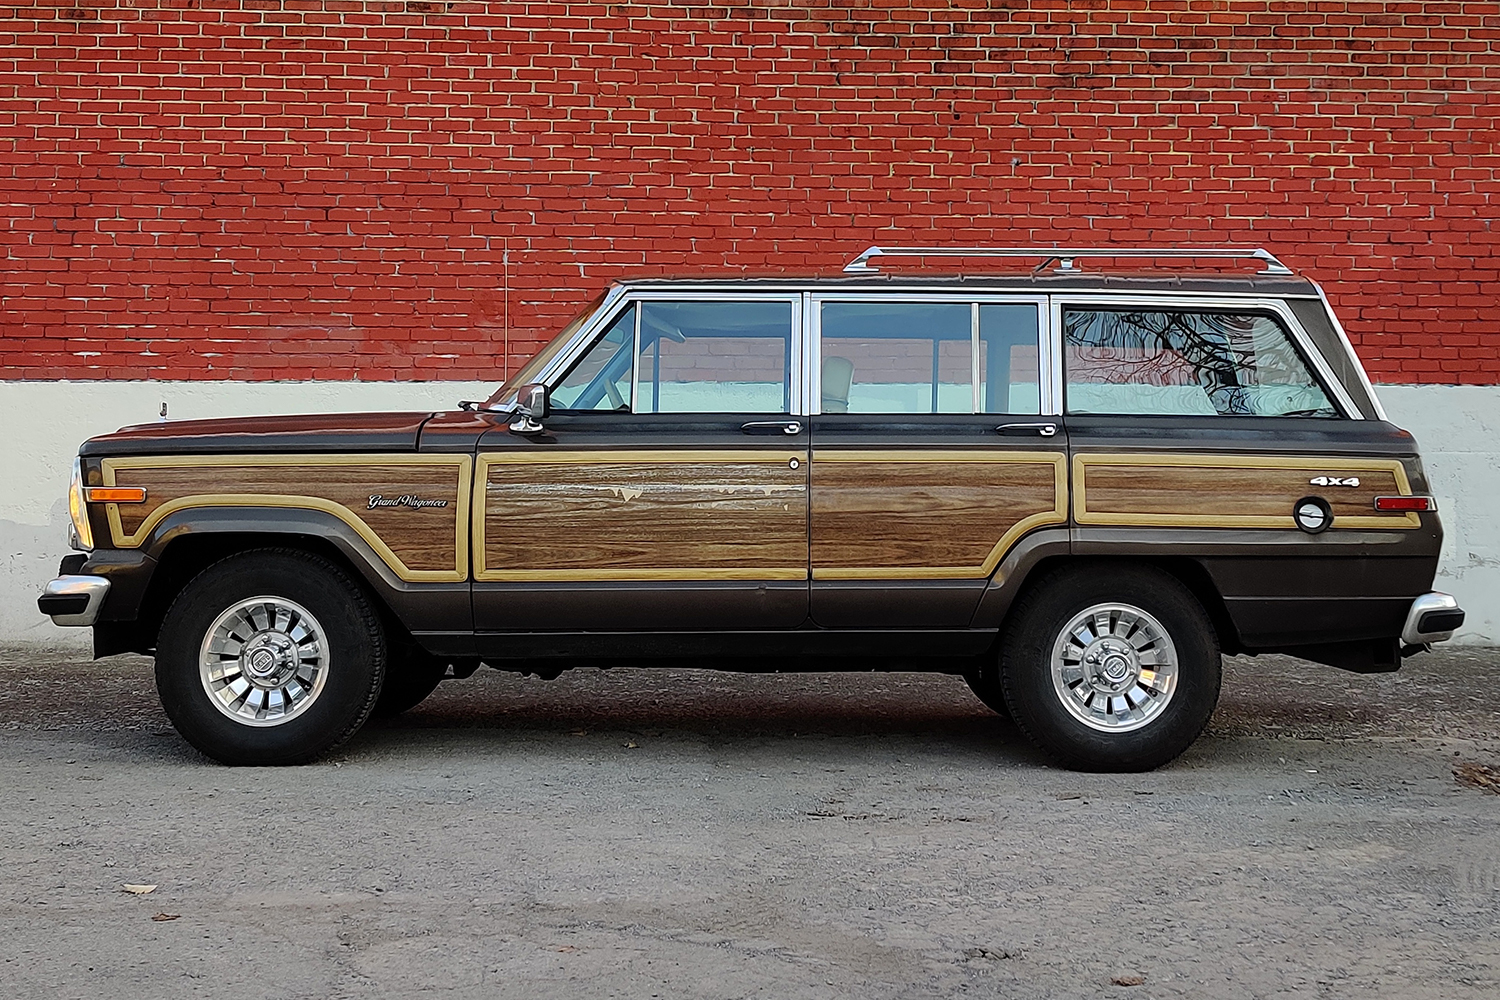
(1075,488)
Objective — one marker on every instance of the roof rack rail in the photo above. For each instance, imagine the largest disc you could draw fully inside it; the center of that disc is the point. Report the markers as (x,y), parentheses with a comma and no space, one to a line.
(1066,256)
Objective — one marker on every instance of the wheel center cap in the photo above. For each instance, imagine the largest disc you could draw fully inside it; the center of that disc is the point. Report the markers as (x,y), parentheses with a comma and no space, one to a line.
(262,662)
(1116,667)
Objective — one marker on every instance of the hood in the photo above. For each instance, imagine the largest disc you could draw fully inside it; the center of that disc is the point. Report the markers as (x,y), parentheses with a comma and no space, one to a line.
(323,432)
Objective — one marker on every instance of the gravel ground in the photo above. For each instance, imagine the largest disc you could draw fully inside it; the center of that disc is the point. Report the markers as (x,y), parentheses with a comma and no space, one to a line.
(681,833)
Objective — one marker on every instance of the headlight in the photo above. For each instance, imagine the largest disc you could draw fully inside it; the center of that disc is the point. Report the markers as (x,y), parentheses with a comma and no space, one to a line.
(78,509)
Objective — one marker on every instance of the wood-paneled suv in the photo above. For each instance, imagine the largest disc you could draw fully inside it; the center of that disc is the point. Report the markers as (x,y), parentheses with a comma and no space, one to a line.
(1075,488)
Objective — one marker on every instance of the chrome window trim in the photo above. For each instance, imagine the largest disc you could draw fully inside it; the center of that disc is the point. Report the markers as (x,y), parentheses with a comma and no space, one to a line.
(969,286)
(812,402)
(1359,366)
(583,338)
(814,338)
(613,306)
(1339,396)
(635,360)
(806,327)
(974,400)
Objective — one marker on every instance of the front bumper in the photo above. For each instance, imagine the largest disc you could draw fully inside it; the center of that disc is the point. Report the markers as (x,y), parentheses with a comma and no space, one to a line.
(73,600)
(1433,618)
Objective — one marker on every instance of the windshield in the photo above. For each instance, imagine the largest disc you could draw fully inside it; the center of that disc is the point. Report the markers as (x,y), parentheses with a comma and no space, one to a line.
(528,371)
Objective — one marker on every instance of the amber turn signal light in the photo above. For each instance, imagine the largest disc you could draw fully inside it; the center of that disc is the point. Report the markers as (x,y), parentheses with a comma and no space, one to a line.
(1405,503)
(116,494)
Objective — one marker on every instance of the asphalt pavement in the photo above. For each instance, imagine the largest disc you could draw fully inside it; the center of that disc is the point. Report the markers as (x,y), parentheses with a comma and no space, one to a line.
(696,834)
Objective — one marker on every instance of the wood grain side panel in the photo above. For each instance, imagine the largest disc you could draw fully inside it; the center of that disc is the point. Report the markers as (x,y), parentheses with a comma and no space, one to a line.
(648,519)
(424,540)
(1229,491)
(894,519)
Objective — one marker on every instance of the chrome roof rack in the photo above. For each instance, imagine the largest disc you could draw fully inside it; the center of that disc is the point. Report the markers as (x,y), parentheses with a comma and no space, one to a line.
(1067,255)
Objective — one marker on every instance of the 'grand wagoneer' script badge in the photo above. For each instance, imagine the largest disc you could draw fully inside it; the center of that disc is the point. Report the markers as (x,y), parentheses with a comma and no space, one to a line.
(405,500)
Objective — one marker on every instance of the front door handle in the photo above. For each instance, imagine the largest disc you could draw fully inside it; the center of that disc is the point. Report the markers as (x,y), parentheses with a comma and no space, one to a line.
(787,427)
(1045,428)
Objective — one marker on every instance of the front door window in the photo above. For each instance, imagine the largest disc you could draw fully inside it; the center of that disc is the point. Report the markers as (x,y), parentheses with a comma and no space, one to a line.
(715,357)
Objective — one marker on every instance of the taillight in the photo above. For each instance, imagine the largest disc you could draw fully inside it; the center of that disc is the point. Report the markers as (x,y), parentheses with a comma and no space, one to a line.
(1405,503)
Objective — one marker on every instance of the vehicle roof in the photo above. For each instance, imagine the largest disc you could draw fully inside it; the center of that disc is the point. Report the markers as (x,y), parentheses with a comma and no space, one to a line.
(1042,283)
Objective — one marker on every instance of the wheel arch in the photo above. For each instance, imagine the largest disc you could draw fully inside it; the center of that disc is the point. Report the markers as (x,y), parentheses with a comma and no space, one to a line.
(189,541)
(1044,559)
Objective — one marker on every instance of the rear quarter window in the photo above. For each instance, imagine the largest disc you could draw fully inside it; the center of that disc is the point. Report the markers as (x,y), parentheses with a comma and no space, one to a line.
(1160,362)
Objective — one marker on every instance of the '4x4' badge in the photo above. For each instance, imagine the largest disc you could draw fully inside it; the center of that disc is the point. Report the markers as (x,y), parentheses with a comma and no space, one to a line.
(1334,480)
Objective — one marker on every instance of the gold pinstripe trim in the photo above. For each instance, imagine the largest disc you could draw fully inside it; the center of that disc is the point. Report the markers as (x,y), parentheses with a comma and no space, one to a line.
(1083,515)
(460,463)
(678,456)
(890,456)
(477,508)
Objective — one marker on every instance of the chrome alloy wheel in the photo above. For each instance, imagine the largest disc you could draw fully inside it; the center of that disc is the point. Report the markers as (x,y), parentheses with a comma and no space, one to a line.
(1114,667)
(264,661)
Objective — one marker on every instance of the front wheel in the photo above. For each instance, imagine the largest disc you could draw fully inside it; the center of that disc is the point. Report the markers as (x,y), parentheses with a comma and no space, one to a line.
(1111,668)
(411,675)
(270,657)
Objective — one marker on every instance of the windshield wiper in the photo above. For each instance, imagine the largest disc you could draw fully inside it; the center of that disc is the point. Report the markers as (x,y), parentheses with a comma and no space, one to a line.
(477,405)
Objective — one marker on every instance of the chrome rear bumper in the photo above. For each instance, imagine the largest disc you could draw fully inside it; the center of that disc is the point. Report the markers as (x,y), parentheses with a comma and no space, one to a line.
(73,600)
(1433,618)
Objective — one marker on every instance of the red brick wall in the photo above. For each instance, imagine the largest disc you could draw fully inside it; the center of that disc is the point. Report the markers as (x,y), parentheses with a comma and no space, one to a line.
(304,189)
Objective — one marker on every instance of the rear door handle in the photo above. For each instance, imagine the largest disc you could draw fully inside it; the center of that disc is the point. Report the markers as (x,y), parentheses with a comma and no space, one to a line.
(1044,428)
(788,427)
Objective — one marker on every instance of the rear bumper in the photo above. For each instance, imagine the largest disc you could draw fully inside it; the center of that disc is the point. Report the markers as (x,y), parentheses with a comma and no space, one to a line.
(74,600)
(1433,617)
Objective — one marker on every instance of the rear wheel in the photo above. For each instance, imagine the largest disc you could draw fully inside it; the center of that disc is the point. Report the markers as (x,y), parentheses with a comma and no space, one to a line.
(1111,669)
(270,657)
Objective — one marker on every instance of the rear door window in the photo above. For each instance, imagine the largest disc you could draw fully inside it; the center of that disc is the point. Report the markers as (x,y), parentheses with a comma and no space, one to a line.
(909,357)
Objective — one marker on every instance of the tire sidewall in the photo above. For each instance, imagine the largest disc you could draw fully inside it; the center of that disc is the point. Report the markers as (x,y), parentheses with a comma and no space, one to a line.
(1026,670)
(355,650)
(411,675)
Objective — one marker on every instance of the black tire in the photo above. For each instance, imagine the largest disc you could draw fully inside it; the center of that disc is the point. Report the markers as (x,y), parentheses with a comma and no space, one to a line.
(411,675)
(1037,623)
(987,688)
(355,657)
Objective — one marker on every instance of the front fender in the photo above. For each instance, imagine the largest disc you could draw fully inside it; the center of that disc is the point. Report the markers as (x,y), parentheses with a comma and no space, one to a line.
(419,605)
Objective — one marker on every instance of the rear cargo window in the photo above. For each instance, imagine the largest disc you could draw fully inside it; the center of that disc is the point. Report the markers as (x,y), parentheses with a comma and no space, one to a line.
(1186,363)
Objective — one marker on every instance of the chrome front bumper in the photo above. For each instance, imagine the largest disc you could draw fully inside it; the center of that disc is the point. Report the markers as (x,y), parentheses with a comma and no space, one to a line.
(73,600)
(1433,618)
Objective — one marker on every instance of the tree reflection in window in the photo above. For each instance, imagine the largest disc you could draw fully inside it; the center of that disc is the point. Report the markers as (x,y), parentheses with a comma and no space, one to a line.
(1175,362)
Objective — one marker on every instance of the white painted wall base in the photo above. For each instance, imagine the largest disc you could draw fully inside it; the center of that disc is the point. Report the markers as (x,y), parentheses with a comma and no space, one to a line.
(1458,431)
(1458,428)
(47,421)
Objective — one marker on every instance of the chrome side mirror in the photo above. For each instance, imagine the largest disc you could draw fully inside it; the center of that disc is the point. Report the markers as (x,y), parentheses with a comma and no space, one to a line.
(530,409)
